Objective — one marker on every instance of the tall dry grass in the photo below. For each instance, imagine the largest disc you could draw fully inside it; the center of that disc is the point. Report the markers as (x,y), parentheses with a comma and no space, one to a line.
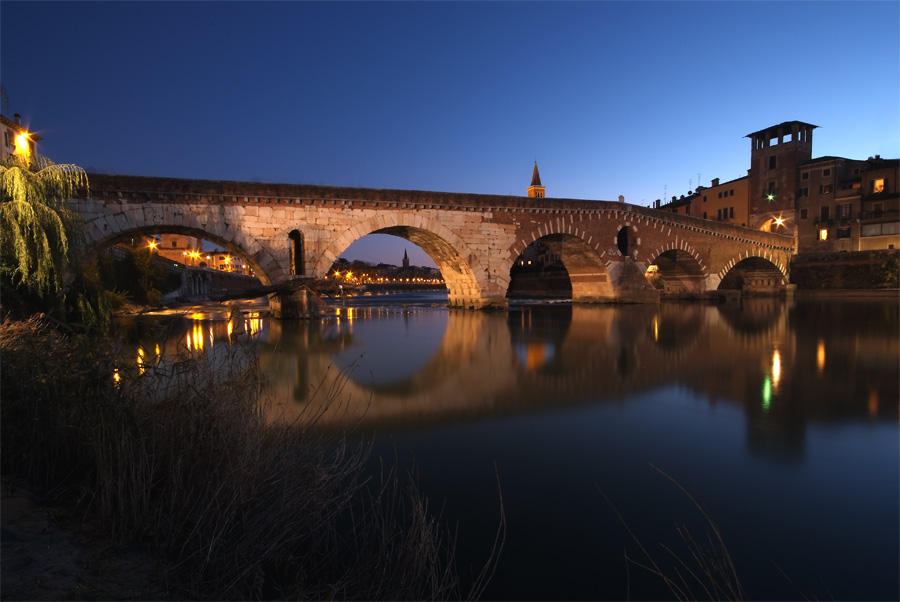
(183,457)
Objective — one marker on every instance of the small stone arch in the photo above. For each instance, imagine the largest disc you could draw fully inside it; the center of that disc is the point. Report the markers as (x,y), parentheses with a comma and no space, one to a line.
(588,271)
(753,271)
(681,268)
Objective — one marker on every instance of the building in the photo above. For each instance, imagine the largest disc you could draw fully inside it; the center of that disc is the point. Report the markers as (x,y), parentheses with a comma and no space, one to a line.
(827,203)
(17,140)
(723,202)
(536,189)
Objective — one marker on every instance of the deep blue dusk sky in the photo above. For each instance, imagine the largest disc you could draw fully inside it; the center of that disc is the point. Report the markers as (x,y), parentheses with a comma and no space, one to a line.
(611,98)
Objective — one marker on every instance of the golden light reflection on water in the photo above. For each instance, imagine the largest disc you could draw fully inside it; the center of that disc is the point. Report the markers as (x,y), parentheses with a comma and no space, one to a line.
(776,369)
(820,356)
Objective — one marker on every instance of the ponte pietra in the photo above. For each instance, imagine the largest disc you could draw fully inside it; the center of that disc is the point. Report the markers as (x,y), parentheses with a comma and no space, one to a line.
(291,231)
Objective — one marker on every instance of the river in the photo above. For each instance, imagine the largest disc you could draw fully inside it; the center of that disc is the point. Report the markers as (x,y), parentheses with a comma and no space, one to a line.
(779,417)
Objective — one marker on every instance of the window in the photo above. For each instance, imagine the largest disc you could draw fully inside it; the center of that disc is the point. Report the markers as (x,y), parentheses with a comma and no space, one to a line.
(843,232)
(731,212)
(704,215)
(824,215)
(804,175)
(704,198)
(826,172)
(825,189)
(870,230)
(6,139)
(803,192)
(771,162)
(823,234)
(804,213)
(843,211)
(878,185)
(731,192)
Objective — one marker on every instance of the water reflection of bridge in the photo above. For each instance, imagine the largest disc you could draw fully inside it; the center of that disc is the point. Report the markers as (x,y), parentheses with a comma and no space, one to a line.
(529,360)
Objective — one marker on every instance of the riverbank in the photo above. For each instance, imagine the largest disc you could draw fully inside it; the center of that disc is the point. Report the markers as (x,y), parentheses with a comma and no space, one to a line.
(51,552)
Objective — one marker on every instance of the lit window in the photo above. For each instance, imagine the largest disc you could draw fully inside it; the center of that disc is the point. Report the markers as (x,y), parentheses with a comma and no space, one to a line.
(823,234)
(878,185)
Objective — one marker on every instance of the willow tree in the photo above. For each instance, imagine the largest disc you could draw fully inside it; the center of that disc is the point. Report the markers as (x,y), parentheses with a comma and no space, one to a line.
(41,237)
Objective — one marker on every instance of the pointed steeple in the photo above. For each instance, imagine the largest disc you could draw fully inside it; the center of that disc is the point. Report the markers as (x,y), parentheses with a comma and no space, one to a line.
(535,176)
(405,259)
(536,189)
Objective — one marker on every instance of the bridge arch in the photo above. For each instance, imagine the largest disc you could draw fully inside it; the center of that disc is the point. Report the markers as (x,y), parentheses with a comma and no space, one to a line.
(753,271)
(681,268)
(466,278)
(257,257)
(588,272)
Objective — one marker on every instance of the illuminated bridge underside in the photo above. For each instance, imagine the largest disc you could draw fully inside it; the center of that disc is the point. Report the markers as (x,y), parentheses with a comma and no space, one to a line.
(475,240)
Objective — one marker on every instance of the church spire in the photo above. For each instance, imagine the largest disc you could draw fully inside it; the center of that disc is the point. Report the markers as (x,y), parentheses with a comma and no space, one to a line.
(536,189)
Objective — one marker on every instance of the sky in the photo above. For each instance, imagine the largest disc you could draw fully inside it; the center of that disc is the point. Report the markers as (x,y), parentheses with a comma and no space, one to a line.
(641,99)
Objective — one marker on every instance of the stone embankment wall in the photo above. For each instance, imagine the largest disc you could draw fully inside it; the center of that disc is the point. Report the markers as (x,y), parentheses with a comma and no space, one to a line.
(857,270)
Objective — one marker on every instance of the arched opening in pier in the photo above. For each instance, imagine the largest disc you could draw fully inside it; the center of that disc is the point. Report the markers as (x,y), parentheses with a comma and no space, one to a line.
(676,273)
(754,275)
(295,252)
(560,266)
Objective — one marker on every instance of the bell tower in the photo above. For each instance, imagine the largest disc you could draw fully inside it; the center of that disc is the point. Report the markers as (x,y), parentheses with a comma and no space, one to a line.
(775,158)
(536,189)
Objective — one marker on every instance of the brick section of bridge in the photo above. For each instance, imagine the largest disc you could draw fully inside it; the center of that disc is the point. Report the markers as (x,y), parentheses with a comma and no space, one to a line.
(473,238)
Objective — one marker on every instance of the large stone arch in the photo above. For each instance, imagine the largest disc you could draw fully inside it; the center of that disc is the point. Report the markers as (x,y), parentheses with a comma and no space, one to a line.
(753,270)
(588,270)
(257,257)
(467,279)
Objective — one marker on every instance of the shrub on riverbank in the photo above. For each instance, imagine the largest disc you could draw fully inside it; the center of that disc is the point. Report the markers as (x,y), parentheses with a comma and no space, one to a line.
(182,458)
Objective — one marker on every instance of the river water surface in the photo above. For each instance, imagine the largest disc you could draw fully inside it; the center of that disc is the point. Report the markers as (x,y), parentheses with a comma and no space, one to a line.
(780,417)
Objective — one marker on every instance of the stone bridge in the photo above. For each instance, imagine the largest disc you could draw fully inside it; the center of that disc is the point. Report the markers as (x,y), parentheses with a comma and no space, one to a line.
(290,232)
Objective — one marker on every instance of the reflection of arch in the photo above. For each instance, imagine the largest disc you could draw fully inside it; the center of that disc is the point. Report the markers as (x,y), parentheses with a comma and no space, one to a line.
(754,317)
(295,248)
(537,332)
(441,368)
(459,266)
(752,273)
(250,250)
(681,270)
(676,327)
(588,273)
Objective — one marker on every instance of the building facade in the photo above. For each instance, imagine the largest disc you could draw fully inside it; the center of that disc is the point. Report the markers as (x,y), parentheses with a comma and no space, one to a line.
(828,204)
(17,140)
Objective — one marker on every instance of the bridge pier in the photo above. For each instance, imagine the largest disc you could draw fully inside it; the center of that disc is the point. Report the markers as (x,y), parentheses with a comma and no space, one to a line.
(292,305)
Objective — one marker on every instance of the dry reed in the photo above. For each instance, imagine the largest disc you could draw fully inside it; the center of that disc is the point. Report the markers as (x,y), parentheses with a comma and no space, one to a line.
(183,456)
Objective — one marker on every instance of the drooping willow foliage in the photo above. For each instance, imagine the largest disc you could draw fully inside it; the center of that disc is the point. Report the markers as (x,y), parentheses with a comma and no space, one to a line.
(37,228)
(40,238)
